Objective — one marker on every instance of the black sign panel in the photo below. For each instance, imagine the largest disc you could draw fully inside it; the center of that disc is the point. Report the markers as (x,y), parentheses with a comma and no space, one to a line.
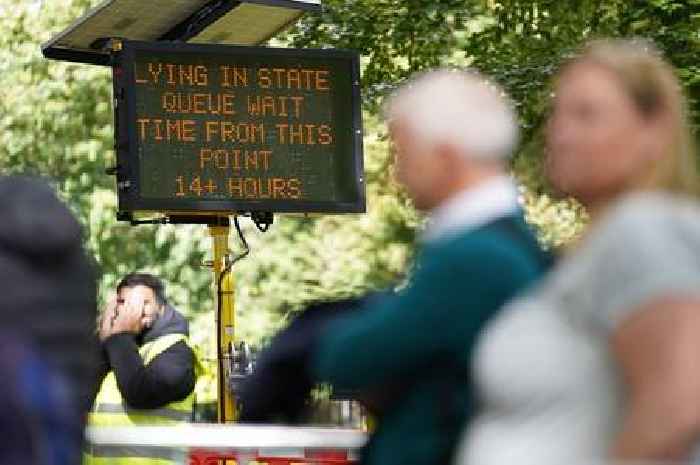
(210,128)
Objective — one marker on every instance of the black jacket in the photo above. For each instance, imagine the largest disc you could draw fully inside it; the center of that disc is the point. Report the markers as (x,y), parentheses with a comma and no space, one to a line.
(47,290)
(47,300)
(168,378)
(285,363)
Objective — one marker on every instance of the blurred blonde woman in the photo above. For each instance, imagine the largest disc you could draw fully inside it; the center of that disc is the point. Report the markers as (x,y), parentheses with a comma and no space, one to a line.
(601,361)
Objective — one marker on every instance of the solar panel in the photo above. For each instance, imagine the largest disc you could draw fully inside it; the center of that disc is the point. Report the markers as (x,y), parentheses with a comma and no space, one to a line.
(246,24)
(241,22)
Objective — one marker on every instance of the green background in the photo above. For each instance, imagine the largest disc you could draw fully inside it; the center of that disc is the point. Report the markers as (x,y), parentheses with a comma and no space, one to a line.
(56,120)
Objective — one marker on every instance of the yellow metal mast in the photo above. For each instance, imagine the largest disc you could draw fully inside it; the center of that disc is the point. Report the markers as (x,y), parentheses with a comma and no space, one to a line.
(225,319)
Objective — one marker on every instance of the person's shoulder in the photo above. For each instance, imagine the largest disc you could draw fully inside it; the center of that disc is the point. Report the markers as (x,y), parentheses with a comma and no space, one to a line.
(488,232)
(506,243)
(649,219)
(653,207)
(507,234)
(644,247)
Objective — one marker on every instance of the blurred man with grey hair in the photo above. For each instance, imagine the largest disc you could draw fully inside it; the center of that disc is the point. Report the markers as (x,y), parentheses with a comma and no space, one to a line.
(452,133)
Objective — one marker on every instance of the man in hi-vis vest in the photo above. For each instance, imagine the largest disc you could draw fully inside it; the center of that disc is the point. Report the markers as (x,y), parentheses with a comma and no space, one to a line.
(148,374)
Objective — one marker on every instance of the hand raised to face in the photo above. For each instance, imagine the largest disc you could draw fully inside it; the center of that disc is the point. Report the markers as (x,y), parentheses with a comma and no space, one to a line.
(130,314)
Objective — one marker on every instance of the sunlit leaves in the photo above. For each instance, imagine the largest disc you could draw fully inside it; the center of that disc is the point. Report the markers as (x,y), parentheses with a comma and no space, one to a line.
(56,120)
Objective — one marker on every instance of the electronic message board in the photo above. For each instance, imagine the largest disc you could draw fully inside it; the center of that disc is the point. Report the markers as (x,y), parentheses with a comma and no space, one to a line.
(212,128)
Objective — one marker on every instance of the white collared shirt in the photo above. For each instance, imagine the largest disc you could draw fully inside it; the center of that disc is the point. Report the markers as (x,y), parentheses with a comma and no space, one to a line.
(472,208)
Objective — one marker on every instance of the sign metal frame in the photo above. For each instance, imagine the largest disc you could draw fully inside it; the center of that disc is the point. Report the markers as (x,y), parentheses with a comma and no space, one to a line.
(128,166)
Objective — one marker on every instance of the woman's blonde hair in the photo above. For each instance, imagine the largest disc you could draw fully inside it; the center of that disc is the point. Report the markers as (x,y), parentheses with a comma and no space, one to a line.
(653,87)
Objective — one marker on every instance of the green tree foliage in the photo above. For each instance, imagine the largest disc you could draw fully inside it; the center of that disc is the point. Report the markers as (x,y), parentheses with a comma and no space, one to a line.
(395,37)
(56,120)
(520,44)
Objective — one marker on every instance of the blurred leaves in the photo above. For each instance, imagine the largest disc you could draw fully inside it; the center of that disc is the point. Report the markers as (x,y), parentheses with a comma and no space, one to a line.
(56,120)
(518,43)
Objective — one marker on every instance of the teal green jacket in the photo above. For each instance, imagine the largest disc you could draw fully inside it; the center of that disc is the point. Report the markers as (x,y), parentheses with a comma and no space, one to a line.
(424,338)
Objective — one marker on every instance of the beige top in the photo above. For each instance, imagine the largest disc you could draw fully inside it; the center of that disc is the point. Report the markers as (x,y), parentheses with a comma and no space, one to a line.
(549,390)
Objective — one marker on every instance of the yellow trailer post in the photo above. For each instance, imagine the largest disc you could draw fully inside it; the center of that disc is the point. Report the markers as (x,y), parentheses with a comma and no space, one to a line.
(225,320)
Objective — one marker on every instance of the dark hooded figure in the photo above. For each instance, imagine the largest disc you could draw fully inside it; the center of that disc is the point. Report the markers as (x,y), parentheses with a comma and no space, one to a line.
(48,351)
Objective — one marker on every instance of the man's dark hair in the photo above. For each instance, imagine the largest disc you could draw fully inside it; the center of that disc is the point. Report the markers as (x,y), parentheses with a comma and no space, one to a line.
(145,279)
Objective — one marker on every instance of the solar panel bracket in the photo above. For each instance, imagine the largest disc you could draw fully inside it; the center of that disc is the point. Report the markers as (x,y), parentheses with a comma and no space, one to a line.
(199,21)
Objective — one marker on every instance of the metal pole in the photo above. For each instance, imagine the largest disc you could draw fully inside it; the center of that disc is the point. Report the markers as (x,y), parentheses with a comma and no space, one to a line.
(225,321)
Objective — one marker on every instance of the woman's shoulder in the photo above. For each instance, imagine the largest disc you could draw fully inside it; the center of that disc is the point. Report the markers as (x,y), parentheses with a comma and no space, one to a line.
(647,220)
(646,246)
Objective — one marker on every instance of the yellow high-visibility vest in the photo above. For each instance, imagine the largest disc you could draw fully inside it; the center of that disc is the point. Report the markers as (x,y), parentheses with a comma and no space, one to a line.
(110,409)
